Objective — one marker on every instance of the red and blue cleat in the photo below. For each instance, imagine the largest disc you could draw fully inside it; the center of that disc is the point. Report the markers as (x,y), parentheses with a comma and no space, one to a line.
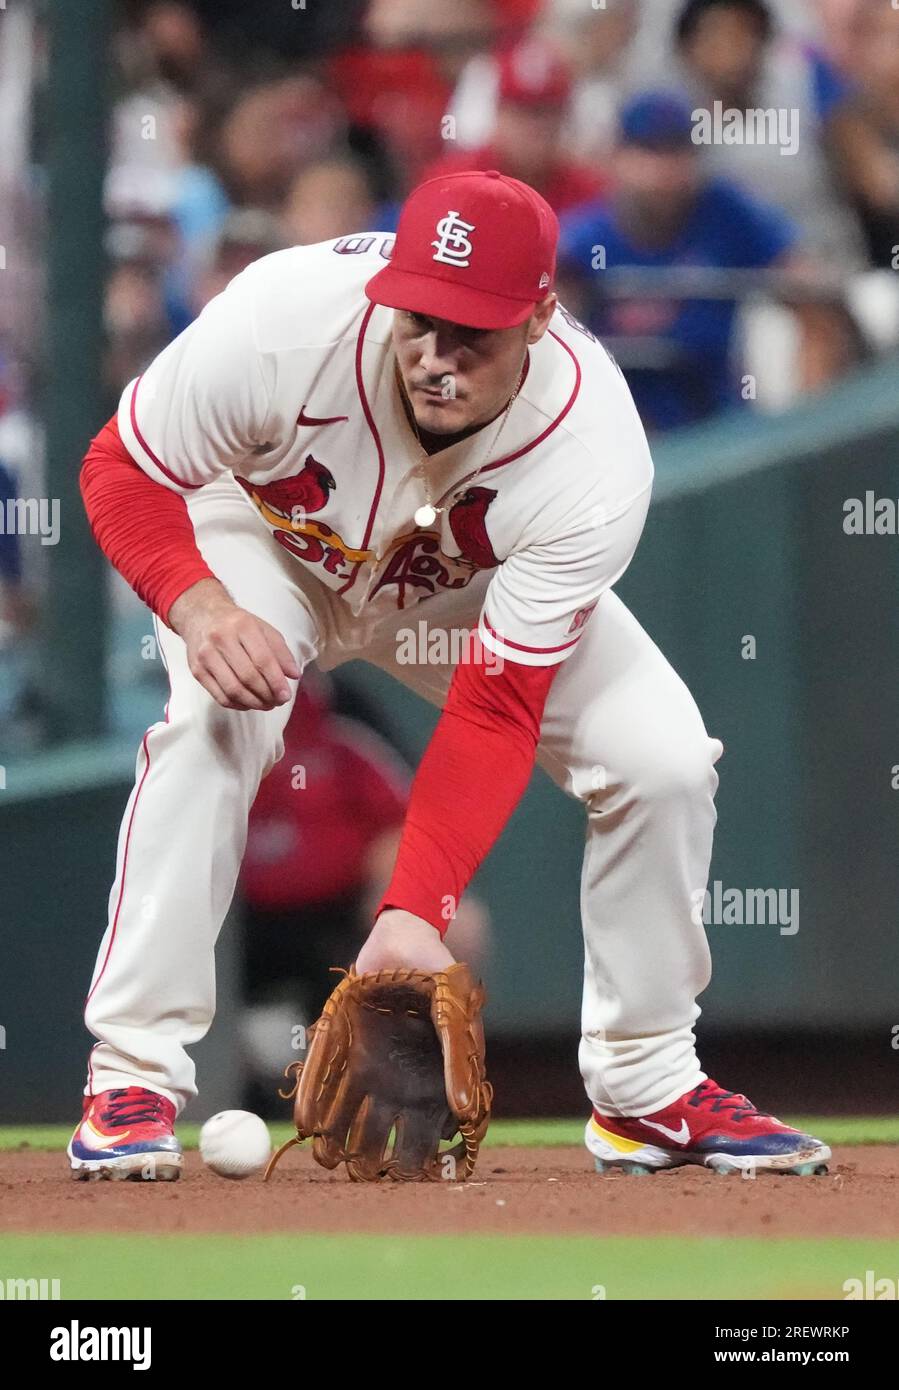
(709,1126)
(126,1134)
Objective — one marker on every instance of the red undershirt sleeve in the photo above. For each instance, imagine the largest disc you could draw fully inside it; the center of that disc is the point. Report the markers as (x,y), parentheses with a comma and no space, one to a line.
(143,528)
(470,779)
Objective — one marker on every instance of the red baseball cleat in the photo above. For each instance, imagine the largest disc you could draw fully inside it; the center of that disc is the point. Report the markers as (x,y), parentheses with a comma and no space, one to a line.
(710,1126)
(126,1134)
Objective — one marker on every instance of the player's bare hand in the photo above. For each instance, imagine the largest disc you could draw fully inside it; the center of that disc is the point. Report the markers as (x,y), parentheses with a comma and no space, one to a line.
(398,940)
(241,660)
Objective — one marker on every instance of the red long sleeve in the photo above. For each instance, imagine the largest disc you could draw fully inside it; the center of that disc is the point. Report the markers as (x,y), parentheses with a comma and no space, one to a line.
(473,773)
(143,528)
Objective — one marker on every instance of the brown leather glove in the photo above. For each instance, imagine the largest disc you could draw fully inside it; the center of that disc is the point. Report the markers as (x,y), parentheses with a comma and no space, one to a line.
(397,1051)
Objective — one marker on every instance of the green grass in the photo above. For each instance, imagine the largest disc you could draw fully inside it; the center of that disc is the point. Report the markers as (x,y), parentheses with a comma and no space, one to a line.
(841,1130)
(445,1267)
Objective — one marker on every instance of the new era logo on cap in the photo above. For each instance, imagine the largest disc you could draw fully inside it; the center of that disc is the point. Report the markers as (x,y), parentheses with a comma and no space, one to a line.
(476,248)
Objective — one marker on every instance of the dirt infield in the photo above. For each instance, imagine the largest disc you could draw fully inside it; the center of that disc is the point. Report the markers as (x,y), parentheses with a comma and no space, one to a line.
(516,1190)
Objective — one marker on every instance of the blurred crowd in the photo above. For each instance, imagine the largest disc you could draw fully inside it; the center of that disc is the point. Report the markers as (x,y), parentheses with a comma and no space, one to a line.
(719,273)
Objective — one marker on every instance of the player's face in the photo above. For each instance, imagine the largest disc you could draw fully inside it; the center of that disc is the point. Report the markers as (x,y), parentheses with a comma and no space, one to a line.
(457,377)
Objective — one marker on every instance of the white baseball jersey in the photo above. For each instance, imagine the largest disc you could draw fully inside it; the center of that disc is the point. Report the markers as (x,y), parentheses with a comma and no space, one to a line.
(287,382)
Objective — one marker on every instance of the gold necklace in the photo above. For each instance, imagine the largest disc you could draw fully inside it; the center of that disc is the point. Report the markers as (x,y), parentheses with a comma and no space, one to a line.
(427,514)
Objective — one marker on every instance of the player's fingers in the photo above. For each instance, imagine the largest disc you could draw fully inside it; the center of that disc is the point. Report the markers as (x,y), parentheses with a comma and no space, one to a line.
(283,655)
(244,668)
(237,695)
(258,646)
(210,684)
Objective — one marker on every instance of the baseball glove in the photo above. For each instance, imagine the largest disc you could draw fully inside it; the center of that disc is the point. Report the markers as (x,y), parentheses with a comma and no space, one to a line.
(401,1053)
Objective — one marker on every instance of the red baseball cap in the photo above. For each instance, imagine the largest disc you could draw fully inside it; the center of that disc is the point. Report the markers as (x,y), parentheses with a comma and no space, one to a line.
(533,73)
(477,248)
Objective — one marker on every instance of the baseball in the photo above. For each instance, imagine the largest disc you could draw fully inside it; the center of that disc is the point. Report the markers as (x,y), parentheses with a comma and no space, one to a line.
(235,1143)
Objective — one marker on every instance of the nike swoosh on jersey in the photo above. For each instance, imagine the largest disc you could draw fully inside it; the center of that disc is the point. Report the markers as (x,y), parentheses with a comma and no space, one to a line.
(678,1136)
(304,419)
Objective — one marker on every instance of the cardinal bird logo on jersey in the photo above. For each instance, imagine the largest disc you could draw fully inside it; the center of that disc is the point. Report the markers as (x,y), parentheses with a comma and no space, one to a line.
(417,562)
(293,498)
(468,522)
(286,505)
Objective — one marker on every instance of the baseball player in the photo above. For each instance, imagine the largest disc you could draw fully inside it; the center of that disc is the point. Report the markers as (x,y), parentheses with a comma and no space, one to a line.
(373,447)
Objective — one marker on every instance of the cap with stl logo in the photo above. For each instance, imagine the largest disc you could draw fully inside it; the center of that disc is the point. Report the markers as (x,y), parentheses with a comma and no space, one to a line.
(477,248)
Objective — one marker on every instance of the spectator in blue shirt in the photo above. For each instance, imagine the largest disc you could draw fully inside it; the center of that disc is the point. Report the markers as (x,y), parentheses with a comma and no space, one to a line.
(666,213)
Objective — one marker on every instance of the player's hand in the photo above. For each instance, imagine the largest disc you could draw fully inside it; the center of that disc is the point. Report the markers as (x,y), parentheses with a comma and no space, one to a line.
(400,940)
(241,660)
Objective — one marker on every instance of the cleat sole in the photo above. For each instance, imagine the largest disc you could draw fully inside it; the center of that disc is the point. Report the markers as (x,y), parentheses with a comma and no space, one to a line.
(751,1166)
(134,1168)
(636,1170)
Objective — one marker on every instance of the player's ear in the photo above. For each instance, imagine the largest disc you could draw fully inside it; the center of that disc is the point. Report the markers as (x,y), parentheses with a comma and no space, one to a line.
(540,318)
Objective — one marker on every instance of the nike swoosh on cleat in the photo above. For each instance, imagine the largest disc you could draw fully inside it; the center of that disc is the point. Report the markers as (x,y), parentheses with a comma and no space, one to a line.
(678,1136)
(304,419)
(106,1139)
